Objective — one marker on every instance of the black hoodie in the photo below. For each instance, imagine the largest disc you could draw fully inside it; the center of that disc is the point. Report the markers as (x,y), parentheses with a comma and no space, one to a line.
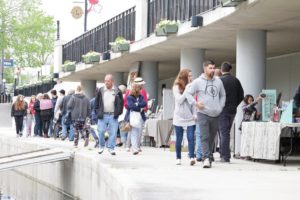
(234,93)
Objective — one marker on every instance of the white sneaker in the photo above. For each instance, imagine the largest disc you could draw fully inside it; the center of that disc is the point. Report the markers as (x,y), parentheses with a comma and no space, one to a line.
(112,152)
(100,150)
(192,162)
(178,162)
(206,163)
(128,149)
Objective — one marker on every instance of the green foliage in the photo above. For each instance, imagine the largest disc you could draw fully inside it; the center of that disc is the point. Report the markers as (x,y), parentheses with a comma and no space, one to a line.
(26,31)
(34,39)
(119,40)
(8,75)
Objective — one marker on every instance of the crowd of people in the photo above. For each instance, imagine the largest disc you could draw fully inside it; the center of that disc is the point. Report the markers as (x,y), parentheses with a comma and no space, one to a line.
(73,115)
(204,108)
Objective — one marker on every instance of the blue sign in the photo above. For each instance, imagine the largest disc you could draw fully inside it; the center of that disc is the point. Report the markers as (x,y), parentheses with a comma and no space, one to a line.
(8,62)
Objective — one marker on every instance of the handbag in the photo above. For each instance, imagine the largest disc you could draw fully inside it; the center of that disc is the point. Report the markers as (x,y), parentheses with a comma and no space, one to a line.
(125,126)
(135,119)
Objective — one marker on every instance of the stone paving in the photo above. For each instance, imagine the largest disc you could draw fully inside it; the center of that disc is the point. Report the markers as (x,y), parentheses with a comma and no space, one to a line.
(153,174)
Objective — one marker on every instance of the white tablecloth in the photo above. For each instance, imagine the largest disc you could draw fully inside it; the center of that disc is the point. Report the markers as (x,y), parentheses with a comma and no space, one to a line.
(261,140)
(158,129)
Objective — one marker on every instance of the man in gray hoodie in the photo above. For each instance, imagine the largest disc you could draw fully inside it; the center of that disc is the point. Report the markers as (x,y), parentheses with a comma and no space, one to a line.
(210,100)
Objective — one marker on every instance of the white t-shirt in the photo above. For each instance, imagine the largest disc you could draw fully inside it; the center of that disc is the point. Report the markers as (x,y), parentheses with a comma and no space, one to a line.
(109,99)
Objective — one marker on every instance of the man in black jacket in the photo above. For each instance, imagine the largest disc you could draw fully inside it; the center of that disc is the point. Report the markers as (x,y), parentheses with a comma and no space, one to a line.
(38,127)
(234,96)
(109,105)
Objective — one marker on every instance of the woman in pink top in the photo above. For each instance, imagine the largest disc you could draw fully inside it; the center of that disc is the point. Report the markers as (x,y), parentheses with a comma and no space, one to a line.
(30,115)
(46,107)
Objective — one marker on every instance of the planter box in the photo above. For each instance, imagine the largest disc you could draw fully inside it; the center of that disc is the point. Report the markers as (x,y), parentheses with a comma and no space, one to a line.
(230,3)
(120,48)
(69,68)
(91,59)
(94,59)
(160,32)
(166,29)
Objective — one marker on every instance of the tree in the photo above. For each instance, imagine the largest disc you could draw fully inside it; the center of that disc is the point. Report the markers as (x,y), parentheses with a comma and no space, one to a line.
(33,41)
(26,31)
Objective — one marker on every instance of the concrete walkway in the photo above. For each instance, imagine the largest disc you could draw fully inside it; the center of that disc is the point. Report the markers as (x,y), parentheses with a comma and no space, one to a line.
(154,175)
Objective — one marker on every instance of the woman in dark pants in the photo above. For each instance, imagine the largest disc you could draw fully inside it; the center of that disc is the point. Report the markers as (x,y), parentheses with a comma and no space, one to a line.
(46,107)
(18,111)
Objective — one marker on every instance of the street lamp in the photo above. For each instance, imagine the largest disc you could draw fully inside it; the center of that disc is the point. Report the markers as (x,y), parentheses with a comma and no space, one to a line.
(4,81)
(15,83)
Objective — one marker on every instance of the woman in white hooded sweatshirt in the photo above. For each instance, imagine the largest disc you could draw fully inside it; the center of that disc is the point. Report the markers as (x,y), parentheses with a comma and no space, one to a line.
(184,115)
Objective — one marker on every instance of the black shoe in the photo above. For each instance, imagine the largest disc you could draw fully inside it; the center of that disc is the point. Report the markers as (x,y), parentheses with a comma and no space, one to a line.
(120,144)
(199,159)
(96,144)
(225,160)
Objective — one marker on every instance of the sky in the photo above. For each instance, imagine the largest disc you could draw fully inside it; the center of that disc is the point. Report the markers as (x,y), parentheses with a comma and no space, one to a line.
(70,28)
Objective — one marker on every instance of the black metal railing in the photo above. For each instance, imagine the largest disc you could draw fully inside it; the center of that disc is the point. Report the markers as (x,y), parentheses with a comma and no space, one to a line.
(34,89)
(5,98)
(98,39)
(181,10)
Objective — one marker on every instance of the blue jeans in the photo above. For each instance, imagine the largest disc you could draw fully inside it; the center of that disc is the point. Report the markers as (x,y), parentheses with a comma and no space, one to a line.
(190,137)
(38,127)
(198,143)
(93,132)
(64,129)
(112,124)
(50,131)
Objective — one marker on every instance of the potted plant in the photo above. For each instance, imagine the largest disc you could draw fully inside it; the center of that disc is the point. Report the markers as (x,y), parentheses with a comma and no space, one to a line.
(165,27)
(120,45)
(69,66)
(91,57)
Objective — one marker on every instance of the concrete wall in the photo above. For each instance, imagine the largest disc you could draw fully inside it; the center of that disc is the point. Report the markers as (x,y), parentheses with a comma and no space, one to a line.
(283,74)
(84,176)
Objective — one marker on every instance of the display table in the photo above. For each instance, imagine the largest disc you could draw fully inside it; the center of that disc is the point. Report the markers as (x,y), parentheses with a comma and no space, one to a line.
(158,129)
(261,140)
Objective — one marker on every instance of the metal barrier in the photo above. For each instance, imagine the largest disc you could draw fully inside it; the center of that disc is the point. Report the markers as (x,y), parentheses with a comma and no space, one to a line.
(5,98)
(98,39)
(35,88)
(181,10)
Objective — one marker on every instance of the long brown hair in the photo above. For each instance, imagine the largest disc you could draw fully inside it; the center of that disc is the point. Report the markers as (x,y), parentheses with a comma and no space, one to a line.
(19,105)
(182,79)
(135,90)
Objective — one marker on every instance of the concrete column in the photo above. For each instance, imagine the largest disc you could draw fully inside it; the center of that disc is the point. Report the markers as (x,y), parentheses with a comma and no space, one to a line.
(250,69)
(89,87)
(118,78)
(141,13)
(192,59)
(149,72)
(251,60)
(58,51)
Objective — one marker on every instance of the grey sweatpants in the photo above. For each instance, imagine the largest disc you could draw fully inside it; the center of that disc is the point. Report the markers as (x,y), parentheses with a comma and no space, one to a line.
(208,129)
